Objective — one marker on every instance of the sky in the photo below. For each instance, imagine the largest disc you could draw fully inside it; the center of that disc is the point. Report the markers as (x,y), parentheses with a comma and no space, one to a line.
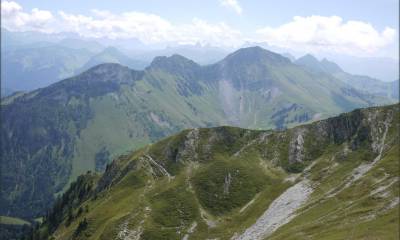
(364,28)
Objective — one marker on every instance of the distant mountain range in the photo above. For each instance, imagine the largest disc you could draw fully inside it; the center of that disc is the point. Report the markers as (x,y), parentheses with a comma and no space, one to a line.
(200,54)
(34,60)
(382,68)
(113,55)
(359,82)
(52,135)
(32,68)
(37,64)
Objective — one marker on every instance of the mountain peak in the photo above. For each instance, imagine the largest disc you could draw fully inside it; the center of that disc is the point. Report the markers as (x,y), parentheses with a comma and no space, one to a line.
(324,66)
(107,72)
(309,58)
(255,54)
(111,50)
(172,63)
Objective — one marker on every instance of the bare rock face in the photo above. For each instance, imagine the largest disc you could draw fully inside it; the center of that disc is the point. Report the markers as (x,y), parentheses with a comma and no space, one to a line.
(378,128)
(296,147)
(227,183)
(190,146)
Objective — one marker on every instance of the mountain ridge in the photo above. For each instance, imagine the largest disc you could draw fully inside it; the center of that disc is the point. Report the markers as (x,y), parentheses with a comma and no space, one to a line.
(217,182)
(362,83)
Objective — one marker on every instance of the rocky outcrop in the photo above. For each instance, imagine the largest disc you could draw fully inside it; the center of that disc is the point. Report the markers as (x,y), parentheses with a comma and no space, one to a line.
(296,147)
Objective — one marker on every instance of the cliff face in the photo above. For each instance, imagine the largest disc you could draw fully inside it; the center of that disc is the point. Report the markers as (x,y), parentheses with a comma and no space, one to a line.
(318,180)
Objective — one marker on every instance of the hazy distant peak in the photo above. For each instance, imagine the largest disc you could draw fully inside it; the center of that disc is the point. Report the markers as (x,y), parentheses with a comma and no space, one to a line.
(308,57)
(111,51)
(332,67)
(314,64)
(76,43)
(289,56)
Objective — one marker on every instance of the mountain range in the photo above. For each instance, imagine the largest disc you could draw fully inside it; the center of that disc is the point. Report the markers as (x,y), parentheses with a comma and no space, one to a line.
(40,64)
(52,135)
(378,67)
(359,82)
(332,179)
(113,55)
(34,60)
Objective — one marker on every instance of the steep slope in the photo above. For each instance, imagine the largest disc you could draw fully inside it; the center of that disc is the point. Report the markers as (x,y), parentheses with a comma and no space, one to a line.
(259,88)
(332,179)
(80,124)
(359,82)
(54,134)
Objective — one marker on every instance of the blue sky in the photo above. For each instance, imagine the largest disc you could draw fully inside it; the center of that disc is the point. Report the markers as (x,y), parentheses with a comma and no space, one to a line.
(380,13)
(360,28)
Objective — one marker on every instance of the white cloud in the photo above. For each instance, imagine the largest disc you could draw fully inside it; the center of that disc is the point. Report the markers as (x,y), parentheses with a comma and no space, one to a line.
(149,28)
(146,27)
(329,34)
(200,31)
(315,34)
(233,4)
(13,17)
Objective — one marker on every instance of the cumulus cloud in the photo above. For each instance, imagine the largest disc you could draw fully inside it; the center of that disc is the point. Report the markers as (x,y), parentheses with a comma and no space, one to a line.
(149,28)
(330,34)
(146,27)
(302,34)
(233,4)
(13,17)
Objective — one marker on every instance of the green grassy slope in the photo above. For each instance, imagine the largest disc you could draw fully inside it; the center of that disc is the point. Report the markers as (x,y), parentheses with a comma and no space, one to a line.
(216,183)
(367,209)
